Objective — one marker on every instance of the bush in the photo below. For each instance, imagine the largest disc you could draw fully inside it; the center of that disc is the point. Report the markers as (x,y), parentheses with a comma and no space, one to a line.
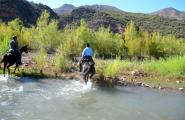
(41,58)
(114,68)
(61,60)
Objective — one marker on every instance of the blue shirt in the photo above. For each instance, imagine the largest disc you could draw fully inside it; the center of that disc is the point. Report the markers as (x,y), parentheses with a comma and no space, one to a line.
(87,52)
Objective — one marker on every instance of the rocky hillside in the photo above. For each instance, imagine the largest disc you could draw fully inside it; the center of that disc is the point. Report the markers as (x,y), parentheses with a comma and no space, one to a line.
(95,15)
(117,20)
(170,13)
(67,8)
(26,11)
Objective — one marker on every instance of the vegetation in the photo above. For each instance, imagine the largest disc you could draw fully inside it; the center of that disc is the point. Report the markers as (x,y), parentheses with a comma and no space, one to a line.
(171,67)
(135,43)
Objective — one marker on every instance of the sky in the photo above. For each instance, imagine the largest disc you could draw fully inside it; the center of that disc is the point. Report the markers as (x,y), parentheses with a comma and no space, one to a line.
(142,6)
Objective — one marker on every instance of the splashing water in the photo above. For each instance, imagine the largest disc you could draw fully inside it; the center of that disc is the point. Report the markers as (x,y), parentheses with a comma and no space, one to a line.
(75,87)
(4,78)
(87,86)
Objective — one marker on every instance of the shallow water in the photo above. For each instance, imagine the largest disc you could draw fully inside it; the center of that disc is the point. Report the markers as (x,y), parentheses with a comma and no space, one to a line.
(46,99)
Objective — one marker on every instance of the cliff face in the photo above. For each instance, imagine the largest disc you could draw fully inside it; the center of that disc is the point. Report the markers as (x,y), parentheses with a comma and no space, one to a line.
(24,10)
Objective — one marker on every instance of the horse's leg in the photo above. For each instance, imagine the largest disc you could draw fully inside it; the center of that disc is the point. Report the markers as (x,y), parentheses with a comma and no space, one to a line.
(17,66)
(91,75)
(92,71)
(8,69)
(87,78)
(4,68)
(84,77)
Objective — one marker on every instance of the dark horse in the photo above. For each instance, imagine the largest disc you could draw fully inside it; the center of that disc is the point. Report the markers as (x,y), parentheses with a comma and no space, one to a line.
(88,68)
(10,59)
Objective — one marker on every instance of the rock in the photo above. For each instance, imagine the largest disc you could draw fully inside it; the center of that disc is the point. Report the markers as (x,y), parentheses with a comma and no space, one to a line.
(122,83)
(139,83)
(181,89)
(25,64)
(145,85)
(138,73)
(160,87)
(177,82)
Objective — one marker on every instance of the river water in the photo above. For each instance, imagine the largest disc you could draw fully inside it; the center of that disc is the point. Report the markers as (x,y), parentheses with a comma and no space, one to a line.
(50,99)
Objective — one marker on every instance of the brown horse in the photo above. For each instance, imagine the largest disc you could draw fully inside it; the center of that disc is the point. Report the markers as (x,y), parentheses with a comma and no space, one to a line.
(10,59)
(88,68)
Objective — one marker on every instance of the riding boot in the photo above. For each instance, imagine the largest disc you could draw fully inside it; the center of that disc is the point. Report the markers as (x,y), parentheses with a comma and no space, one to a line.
(80,67)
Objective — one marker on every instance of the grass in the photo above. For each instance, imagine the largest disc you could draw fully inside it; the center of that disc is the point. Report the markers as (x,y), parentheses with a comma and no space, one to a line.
(163,72)
(174,66)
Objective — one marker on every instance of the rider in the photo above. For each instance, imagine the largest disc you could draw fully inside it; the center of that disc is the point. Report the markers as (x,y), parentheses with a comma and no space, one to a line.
(15,49)
(87,55)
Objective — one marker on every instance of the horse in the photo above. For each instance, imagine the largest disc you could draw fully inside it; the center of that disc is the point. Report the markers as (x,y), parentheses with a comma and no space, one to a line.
(88,68)
(10,59)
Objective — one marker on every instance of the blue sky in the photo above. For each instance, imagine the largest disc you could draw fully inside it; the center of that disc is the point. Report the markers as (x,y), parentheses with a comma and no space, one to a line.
(144,6)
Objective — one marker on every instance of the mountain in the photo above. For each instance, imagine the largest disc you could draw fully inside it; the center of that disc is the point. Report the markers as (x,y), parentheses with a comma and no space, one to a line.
(95,15)
(171,13)
(28,12)
(102,7)
(66,8)
(117,20)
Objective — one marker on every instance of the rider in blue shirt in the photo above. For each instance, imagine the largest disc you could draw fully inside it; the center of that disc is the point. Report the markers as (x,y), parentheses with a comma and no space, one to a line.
(87,51)
(87,55)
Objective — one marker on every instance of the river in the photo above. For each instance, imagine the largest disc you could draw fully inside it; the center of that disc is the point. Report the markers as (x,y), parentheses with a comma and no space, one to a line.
(51,99)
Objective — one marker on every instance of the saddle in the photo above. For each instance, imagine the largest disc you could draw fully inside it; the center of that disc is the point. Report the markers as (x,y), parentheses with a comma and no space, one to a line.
(11,52)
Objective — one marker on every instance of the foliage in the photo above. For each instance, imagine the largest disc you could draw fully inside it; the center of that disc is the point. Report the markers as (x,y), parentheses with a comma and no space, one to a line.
(107,43)
(41,58)
(46,33)
(114,68)
(61,61)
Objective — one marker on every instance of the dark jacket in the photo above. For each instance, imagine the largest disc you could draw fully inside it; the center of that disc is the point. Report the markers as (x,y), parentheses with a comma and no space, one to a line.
(14,45)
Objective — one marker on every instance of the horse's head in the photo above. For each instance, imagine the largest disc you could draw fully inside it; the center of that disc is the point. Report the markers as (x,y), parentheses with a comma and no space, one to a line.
(24,49)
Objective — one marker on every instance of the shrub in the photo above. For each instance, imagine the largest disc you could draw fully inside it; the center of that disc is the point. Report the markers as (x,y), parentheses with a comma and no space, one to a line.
(113,68)
(61,60)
